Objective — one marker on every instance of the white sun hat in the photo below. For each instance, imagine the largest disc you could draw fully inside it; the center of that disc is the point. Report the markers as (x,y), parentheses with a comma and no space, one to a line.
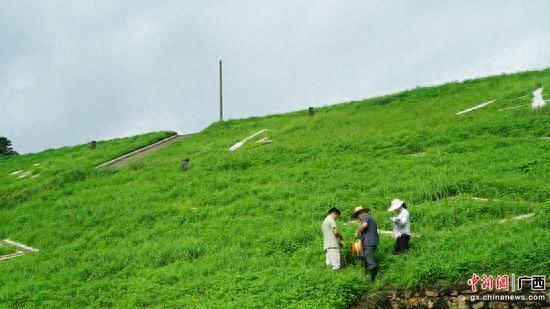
(395,204)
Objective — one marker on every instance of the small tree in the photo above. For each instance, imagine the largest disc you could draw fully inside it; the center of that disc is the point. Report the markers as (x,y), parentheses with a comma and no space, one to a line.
(5,147)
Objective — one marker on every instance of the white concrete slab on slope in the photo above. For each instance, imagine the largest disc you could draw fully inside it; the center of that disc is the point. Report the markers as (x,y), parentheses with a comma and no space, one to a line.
(520,217)
(264,140)
(538,101)
(19,245)
(11,256)
(475,107)
(483,199)
(383,232)
(513,107)
(239,144)
(23,249)
(24,174)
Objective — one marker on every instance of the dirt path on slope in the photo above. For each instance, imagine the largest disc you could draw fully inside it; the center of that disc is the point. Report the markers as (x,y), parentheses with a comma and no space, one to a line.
(134,155)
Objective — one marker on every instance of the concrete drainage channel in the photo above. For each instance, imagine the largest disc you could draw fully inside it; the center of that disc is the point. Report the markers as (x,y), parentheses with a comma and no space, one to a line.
(142,151)
(21,249)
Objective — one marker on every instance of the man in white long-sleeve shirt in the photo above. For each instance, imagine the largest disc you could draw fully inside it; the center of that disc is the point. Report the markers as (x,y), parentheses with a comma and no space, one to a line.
(401,226)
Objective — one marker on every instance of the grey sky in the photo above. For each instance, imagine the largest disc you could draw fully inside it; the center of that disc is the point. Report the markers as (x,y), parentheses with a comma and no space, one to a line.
(74,71)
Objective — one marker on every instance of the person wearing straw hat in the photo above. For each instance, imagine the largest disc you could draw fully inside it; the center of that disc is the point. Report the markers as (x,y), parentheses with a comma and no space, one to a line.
(401,226)
(368,230)
(332,239)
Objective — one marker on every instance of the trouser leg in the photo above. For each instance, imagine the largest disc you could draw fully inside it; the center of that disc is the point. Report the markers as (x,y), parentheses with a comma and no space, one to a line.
(405,244)
(402,244)
(370,257)
(370,261)
(333,257)
(396,250)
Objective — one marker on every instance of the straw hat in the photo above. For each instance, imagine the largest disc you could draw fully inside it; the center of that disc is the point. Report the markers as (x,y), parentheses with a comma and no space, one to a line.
(395,204)
(358,210)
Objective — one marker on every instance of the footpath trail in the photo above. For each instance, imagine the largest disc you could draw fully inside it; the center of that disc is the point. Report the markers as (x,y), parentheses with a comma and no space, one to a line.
(134,155)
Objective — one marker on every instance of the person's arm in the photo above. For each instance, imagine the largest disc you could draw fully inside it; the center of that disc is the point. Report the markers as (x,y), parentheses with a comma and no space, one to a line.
(335,230)
(361,228)
(337,233)
(402,219)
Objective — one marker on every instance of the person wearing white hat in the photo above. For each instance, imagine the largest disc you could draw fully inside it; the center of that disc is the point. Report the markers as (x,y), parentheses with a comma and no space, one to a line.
(401,226)
(369,239)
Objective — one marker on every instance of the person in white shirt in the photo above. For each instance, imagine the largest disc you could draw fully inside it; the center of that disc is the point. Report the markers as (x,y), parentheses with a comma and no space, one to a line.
(332,239)
(401,226)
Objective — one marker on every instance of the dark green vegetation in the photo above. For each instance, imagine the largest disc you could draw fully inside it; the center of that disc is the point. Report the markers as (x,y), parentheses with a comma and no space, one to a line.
(5,147)
(242,229)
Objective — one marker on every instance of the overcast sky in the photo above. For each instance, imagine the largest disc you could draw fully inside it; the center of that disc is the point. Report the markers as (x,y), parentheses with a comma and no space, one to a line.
(75,71)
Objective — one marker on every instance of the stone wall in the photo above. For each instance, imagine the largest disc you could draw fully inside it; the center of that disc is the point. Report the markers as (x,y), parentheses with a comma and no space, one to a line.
(456,296)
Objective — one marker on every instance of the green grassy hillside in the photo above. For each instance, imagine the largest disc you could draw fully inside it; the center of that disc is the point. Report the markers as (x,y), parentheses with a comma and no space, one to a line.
(6,250)
(23,176)
(242,229)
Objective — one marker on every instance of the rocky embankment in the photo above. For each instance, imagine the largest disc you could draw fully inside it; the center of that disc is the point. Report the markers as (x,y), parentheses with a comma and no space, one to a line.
(454,297)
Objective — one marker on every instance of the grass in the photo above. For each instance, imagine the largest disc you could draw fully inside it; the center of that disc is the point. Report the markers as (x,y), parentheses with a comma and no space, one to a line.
(4,250)
(57,167)
(242,229)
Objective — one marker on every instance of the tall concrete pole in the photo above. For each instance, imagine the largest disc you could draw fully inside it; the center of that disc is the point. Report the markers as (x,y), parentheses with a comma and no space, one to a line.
(221,93)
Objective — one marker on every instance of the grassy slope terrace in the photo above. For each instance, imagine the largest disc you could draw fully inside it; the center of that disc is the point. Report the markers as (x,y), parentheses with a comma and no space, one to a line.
(243,228)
